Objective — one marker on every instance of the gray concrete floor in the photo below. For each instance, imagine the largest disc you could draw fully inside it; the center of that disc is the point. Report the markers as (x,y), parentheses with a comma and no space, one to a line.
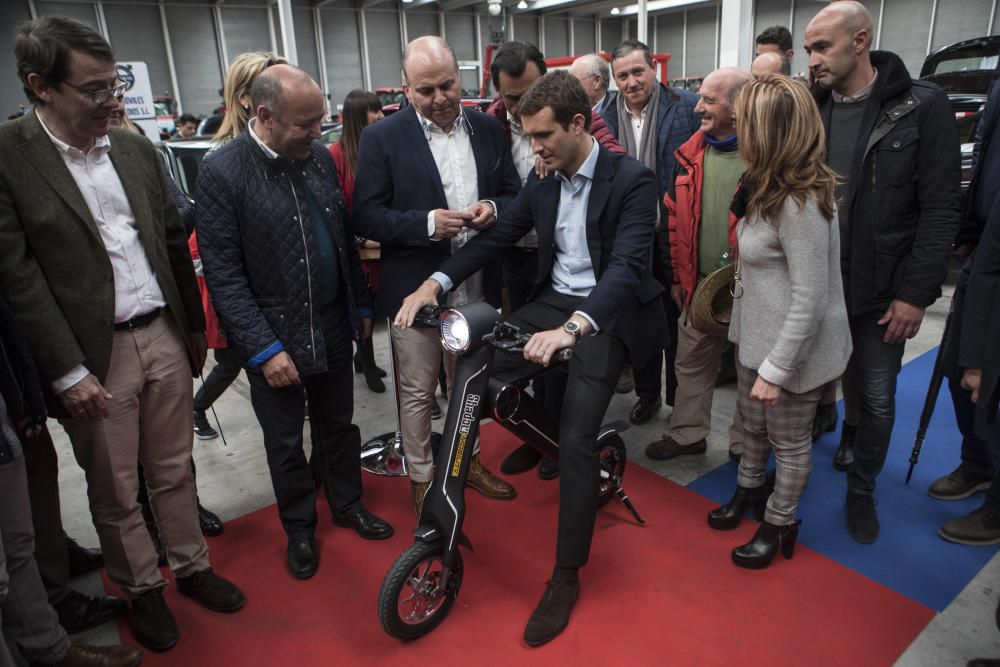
(233,481)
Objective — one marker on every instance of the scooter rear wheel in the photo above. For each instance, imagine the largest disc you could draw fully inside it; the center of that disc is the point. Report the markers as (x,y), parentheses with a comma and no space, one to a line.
(612,456)
(411,601)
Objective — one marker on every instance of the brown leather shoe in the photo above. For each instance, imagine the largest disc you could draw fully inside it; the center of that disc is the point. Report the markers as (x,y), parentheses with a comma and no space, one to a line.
(417,492)
(488,484)
(668,448)
(85,655)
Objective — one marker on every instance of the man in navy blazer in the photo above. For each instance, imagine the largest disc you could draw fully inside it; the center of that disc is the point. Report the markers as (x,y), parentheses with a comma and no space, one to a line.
(594,216)
(428,178)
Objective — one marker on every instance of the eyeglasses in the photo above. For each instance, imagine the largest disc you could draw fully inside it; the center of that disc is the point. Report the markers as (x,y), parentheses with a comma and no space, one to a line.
(99,97)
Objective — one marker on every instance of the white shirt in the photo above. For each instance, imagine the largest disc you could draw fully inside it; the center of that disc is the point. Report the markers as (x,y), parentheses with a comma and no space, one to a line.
(456,164)
(524,163)
(268,151)
(637,121)
(136,290)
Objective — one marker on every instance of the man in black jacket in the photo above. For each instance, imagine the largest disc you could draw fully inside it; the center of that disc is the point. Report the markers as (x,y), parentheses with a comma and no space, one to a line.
(286,282)
(895,142)
(595,216)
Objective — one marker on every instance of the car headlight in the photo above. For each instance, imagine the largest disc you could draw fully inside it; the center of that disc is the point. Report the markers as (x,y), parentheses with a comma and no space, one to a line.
(455,334)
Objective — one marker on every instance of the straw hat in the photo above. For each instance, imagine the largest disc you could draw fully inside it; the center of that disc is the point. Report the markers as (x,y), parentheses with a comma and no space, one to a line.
(712,303)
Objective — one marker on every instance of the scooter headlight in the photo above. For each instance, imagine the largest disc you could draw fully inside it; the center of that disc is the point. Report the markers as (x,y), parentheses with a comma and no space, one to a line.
(455,333)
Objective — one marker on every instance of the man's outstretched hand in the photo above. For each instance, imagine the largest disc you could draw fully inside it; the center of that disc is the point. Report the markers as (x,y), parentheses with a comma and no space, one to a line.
(426,295)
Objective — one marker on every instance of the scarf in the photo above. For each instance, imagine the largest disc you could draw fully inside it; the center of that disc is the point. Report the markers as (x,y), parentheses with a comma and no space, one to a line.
(727,145)
(641,148)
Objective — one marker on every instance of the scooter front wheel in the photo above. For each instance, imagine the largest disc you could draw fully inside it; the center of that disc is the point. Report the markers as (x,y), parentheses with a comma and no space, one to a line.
(412,601)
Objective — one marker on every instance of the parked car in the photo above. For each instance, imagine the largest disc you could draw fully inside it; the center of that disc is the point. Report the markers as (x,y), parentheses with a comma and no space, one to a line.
(165,109)
(692,83)
(964,71)
(183,158)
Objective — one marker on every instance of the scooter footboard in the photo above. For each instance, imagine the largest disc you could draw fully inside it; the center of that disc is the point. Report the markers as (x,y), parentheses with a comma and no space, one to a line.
(525,417)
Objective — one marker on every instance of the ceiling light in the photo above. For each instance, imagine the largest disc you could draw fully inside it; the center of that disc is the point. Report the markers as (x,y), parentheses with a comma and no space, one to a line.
(615,11)
(522,5)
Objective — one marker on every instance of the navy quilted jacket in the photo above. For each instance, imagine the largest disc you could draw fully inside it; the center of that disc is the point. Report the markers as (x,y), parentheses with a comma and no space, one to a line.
(259,255)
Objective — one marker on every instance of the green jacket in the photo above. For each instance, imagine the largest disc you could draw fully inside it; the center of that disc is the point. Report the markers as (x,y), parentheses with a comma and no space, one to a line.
(54,268)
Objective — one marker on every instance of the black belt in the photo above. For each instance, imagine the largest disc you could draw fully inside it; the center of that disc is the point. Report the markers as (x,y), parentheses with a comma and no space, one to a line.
(139,321)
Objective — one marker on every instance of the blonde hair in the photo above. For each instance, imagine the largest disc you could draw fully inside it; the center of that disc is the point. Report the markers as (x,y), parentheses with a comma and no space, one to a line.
(242,72)
(783,143)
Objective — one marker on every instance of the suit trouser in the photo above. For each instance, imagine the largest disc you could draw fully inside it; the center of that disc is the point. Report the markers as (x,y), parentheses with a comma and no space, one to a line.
(227,368)
(649,378)
(25,614)
(698,359)
(335,440)
(149,422)
(42,466)
(786,426)
(594,369)
(418,361)
(876,365)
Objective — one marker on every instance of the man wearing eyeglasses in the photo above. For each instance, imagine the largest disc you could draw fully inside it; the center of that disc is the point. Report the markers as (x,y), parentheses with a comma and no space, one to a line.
(94,264)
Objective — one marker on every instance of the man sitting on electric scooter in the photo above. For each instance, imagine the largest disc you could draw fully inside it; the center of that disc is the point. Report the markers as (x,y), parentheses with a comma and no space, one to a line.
(594,216)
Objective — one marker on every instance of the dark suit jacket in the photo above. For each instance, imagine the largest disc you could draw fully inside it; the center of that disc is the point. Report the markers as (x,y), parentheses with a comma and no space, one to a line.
(54,268)
(397,183)
(980,322)
(621,217)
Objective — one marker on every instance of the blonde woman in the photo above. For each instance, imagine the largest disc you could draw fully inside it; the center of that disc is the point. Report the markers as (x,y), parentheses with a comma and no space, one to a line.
(236,92)
(789,320)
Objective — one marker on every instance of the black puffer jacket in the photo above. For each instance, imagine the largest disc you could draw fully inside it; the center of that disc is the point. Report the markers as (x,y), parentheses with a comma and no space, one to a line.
(904,191)
(259,255)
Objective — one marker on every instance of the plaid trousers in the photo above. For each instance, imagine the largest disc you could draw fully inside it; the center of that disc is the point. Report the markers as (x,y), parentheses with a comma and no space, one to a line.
(788,427)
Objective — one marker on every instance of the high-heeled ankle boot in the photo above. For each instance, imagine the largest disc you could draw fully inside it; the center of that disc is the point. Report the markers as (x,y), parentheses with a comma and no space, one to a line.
(767,541)
(372,377)
(729,515)
(359,359)
(844,458)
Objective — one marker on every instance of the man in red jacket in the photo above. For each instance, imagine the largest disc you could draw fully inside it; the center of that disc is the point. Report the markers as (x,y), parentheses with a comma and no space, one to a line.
(702,237)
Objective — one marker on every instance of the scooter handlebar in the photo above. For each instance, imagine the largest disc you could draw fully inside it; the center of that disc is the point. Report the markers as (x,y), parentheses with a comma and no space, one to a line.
(428,317)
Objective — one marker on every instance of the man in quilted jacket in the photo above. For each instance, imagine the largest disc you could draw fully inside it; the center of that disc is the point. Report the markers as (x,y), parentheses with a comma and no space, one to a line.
(286,281)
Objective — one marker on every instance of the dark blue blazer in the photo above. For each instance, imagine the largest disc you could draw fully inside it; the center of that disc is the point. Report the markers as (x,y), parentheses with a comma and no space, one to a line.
(397,183)
(621,217)
(676,122)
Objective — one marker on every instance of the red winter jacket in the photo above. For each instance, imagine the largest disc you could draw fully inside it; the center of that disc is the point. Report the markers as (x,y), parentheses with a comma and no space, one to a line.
(683,202)
(215,338)
(598,128)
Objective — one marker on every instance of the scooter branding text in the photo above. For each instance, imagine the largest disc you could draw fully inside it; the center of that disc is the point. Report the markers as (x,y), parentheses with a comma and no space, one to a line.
(464,425)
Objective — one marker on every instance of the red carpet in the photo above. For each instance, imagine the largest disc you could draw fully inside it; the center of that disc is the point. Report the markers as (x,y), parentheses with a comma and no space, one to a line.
(665,593)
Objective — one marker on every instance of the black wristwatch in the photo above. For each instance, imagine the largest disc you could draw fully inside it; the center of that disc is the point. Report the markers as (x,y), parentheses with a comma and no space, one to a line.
(571,327)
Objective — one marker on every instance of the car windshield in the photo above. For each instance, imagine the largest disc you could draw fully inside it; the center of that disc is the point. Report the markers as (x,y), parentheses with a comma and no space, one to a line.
(390,97)
(973,59)
(162,109)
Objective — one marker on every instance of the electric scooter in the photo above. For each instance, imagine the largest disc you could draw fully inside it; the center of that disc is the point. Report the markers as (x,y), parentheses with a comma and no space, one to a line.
(421,586)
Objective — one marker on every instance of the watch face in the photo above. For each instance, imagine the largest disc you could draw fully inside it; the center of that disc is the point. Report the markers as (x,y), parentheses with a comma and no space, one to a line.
(571,327)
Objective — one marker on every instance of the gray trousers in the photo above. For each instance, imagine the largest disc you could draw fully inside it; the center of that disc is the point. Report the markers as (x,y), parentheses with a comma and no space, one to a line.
(787,426)
(25,614)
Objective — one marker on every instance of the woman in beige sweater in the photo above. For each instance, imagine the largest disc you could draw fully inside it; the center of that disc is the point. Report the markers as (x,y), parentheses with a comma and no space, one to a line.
(789,320)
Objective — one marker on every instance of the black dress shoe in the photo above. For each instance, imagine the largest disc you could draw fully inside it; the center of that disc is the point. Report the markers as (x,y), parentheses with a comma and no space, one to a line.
(825,420)
(862,519)
(551,616)
(212,591)
(844,458)
(366,524)
(81,559)
(78,612)
(548,469)
(644,409)
(302,559)
(211,524)
(522,459)
(154,625)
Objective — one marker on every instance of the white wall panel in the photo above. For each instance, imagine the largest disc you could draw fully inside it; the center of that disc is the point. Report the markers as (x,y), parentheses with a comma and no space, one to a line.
(245,30)
(81,11)
(905,29)
(583,36)
(135,34)
(11,93)
(670,39)
(420,23)
(343,54)
(305,42)
(611,34)
(767,13)
(556,37)
(460,32)
(701,25)
(526,28)
(384,47)
(195,57)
